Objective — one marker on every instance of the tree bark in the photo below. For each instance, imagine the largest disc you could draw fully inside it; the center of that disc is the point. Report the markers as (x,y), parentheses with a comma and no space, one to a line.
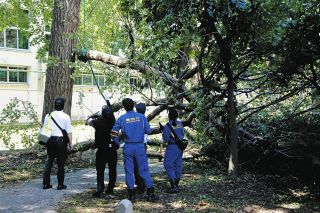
(124,62)
(63,41)
(156,112)
(232,129)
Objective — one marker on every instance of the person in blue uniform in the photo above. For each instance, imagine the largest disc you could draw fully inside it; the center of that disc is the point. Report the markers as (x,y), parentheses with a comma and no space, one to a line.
(173,154)
(107,150)
(140,108)
(133,126)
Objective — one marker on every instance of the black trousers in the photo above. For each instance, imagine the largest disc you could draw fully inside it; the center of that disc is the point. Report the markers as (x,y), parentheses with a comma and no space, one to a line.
(104,156)
(56,148)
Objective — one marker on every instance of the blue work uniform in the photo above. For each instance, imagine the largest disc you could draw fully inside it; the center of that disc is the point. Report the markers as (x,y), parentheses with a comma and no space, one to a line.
(173,155)
(133,126)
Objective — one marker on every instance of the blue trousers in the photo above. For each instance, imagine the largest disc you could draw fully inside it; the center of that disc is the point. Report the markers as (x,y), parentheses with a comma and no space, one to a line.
(131,152)
(173,161)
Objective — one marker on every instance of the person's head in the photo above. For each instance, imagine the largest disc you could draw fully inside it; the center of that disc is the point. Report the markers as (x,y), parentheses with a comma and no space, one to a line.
(106,112)
(141,108)
(59,104)
(173,114)
(128,104)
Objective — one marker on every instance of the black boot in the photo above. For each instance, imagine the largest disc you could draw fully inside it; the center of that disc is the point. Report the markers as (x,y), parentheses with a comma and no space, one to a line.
(100,188)
(176,182)
(173,188)
(151,196)
(109,191)
(132,196)
(140,189)
(98,194)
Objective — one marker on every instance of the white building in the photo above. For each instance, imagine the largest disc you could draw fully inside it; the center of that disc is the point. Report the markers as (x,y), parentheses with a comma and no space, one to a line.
(23,76)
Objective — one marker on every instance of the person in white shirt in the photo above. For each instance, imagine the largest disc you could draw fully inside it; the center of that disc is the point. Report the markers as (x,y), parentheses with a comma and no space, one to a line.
(58,144)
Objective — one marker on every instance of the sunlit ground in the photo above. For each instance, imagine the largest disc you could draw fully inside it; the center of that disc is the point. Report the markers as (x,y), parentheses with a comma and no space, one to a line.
(205,188)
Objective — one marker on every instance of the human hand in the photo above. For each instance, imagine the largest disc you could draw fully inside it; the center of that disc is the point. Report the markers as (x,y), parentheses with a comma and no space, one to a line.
(69,147)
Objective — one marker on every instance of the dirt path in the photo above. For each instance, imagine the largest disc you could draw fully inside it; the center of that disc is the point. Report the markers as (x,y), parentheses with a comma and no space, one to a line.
(30,197)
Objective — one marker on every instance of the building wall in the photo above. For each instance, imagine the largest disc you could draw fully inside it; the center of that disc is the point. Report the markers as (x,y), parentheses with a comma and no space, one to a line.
(33,90)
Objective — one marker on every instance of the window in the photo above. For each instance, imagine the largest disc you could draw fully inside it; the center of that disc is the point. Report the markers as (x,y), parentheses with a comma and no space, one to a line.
(11,38)
(14,38)
(1,39)
(137,82)
(23,41)
(100,81)
(86,79)
(13,74)
(3,74)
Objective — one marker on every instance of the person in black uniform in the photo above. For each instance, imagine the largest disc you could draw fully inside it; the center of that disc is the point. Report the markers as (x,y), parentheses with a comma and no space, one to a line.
(107,150)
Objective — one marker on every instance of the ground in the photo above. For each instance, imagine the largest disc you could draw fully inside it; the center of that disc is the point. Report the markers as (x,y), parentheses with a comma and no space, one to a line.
(205,188)
(19,166)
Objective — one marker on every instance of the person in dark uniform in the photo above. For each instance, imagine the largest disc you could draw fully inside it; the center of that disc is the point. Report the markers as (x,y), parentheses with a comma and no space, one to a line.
(107,150)
(140,108)
(57,146)
(173,155)
(133,126)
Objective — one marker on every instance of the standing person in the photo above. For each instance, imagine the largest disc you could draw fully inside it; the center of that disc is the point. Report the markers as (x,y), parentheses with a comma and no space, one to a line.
(133,126)
(107,150)
(173,155)
(57,145)
(140,108)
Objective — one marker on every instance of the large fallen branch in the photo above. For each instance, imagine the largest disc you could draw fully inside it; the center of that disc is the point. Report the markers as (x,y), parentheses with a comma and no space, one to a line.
(87,145)
(85,55)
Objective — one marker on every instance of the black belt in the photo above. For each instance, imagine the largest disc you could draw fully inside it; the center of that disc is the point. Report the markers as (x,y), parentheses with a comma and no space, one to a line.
(56,137)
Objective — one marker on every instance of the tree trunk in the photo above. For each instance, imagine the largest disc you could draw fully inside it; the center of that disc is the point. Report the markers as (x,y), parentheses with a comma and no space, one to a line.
(232,130)
(63,41)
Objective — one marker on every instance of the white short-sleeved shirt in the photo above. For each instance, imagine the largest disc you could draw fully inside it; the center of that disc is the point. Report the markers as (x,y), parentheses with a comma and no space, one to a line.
(62,119)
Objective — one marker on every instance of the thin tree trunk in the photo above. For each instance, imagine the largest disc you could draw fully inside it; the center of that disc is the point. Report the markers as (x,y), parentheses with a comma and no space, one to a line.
(63,41)
(232,130)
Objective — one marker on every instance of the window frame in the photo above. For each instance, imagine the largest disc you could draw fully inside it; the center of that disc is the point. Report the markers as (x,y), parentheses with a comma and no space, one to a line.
(14,69)
(137,82)
(5,45)
(93,83)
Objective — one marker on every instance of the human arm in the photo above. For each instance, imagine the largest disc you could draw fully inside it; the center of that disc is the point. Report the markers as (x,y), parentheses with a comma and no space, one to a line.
(147,128)
(69,131)
(45,121)
(115,131)
(70,140)
(166,134)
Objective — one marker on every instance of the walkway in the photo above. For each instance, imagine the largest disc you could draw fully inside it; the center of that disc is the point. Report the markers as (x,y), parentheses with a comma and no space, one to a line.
(30,197)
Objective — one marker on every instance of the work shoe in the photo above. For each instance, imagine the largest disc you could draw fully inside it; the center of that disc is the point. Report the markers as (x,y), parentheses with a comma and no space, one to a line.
(60,187)
(140,190)
(173,188)
(97,194)
(109,191)
(151,196)
(132,196)
(176,181)
(47,186)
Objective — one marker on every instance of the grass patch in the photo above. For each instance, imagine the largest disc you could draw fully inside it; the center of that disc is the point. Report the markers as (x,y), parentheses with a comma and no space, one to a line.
(206,188)
(18,166)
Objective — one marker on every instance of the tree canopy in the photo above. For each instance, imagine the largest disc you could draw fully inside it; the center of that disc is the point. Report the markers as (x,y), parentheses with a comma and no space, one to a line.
(244,68)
